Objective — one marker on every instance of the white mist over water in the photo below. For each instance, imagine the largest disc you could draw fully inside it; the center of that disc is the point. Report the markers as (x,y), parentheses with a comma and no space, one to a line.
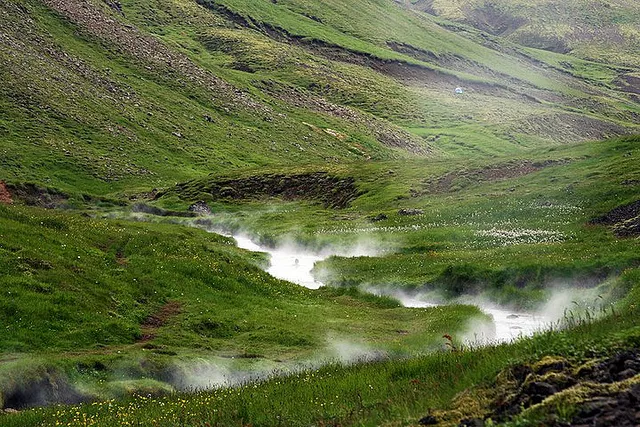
(294,264)
(507,325)
(291,264)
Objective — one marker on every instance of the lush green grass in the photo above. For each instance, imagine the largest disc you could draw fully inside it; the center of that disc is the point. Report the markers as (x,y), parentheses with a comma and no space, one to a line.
(511,236)
(364,394)
(79,292)
(112,307)
(129,124)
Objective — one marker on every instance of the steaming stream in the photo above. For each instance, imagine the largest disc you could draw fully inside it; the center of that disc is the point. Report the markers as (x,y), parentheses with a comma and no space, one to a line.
(295,265)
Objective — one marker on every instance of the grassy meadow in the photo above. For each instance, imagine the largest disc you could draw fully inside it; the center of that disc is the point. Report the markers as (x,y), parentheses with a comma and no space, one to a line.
(328,127)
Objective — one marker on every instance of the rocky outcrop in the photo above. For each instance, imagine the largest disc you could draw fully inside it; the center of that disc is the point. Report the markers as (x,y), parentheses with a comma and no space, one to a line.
(34,195)
(153,210)
(602,393)
(200,208)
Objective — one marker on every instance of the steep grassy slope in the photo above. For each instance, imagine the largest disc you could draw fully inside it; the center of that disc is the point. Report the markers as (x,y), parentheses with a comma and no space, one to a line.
(422,63)
(99,99)
(100,106)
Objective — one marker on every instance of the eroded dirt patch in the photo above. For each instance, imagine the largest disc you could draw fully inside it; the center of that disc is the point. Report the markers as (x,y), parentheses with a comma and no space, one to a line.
(5,196)
(625,220)
(331,191)
(153,210)
(34,195)
(158,319)
(567,128)
(631,85)
(454,181)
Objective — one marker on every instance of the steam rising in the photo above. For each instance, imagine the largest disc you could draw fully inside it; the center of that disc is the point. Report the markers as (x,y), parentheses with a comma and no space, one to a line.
(293,262)
(203,374)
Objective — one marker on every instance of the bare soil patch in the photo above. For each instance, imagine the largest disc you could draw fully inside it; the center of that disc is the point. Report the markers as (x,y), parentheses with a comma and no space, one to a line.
(631,85)
(331,191)
(568,128)
(490,18)
(158,319)
(34,195)
(625,220)
(5,196)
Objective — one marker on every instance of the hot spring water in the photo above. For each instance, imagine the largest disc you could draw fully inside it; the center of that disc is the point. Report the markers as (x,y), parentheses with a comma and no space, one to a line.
(295,265)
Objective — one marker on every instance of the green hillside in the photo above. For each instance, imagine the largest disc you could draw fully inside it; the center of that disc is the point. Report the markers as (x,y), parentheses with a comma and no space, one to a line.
(605,31)
(478,152)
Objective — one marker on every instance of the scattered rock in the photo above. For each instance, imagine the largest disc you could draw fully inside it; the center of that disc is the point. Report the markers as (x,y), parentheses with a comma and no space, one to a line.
(379,217)
(538,391)
(472,422)
(608,391)
(626,374)
(550,364)
(619,410)
(429,420)
(629,228)
(634,393)
(520,372)
(200,207)
(615,368)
